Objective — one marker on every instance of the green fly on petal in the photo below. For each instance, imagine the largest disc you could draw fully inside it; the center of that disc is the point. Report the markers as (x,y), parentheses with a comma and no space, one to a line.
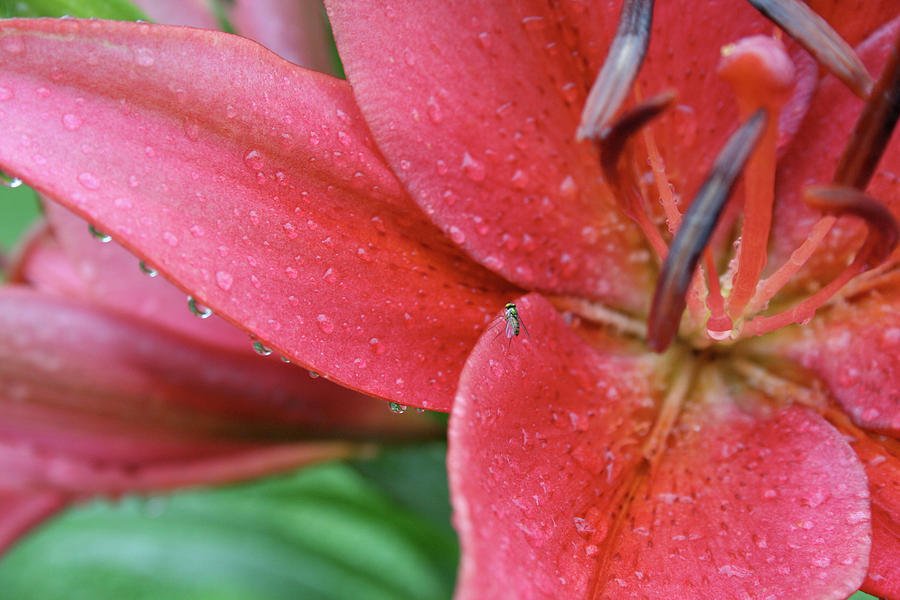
(514,322)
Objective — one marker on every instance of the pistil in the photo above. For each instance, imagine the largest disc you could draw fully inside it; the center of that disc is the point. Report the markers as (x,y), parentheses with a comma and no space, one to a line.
(762,76)
(855,168)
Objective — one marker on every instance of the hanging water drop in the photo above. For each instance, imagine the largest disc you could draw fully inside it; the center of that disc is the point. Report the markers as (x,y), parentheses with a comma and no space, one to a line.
(148,271)
(198,310)
(397,408)
(260,349)
(313,374)
(8,181)
(103,238)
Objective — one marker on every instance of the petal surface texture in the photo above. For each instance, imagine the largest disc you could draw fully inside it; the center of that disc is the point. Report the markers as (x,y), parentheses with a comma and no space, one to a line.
(545,438)
(250,183)
(854,349)
(478,120)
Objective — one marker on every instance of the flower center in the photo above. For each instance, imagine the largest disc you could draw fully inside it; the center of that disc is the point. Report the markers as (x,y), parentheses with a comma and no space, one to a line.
(762,75)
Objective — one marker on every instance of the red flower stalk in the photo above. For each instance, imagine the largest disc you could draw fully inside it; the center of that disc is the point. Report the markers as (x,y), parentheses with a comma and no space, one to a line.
(372,232)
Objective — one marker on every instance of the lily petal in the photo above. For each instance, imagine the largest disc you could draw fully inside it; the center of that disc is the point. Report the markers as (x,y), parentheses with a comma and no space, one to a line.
(477,116)
(853,348)
(251,183)
(113,279)
(19,512)
(775,507)
(541,436)
(142,374)
(545,438)
(883,471)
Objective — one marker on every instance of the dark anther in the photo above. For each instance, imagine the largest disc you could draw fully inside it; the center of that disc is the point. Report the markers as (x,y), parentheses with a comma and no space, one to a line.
(816,35)
(699,222)
(626,53)
(883,231)
(614,137)
(873,129)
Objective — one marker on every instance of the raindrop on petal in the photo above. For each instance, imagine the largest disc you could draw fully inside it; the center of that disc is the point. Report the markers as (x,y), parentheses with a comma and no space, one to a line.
(99,235)
(260,349)
(198,310)
(148,271)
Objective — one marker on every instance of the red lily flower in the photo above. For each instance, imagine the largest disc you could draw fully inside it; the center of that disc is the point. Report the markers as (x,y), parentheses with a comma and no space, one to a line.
(582,465)
(109,385)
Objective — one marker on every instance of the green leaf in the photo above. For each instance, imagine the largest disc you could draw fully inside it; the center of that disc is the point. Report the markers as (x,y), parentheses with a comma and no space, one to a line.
(426,492)
(323,533)
(18,208)
(120,10)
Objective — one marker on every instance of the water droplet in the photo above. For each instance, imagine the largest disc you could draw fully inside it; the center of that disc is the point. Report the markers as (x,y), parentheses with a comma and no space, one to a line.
(473,169)
(519,179)
(143,56)
(10,182)
(14,44)
(224,280)
(89,180)
(434,110)
(325,323)
(260,349)
(313,138)
(398,408)
(170,238)
(484,38)
(197,309)
(457,235)
(409,57)
(534,23)
(253,159)
(377,347)
(717,335)
(285,359)
(99,235)
(568,188)
(569,92)
(191,129)
(313,374)
(146,270)
(71,121)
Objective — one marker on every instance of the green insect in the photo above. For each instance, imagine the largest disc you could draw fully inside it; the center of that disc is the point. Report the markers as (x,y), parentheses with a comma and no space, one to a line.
(514,322)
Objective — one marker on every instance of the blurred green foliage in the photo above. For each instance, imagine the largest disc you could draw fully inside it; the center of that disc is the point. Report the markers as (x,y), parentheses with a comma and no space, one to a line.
(18,209)
(325,532)
(121,10)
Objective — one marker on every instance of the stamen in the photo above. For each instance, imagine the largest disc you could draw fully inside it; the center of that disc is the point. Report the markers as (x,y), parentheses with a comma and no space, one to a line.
(696,308)
(815,34)
(855,168)
(719,324)
(695,231)
(762,76)
(873,129)
(620,69)
(881,239)
(612,143)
